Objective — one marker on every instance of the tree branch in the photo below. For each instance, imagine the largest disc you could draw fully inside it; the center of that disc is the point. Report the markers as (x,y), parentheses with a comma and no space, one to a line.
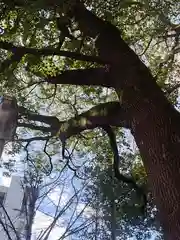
(171,89)
(91,76)
(101,115)
(98,116)
(128,180)
(16,57)
(6,230)
(111,47)
(49,51)
(35,127)
(29,140)
(49,120)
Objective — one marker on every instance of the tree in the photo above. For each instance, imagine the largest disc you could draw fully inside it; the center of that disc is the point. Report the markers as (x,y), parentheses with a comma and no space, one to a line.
(141,107)
(118,210)
(37,205)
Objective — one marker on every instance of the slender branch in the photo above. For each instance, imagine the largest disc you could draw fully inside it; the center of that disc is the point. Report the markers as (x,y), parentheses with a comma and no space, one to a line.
(49,51)
(146,48)
(128,180)
(45,234)
(29,140)
(49,158)
(171,89)
(6,230)
(10,221)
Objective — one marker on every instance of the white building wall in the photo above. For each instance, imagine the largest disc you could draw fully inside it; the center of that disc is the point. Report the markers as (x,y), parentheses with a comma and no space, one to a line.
(12,204)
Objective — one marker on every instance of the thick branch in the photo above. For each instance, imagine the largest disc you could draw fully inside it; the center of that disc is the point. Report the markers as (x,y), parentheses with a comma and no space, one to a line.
(109,113)
(49,120)
(89,24)
(104,114)
(111,47)
(49,51)
(91,76)
(35,127)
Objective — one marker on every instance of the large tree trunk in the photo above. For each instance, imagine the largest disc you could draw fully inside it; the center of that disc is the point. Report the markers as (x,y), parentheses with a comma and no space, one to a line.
(154,123)
(155,127)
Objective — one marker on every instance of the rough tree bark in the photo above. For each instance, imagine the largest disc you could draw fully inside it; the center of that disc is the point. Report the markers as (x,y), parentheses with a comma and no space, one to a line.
(153,121)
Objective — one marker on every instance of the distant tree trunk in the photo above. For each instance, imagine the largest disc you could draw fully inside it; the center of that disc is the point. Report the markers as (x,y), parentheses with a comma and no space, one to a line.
(113,220)
(113,213)
(2,144)
(153,121)
(8,120)
(96,224)
(31,198)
